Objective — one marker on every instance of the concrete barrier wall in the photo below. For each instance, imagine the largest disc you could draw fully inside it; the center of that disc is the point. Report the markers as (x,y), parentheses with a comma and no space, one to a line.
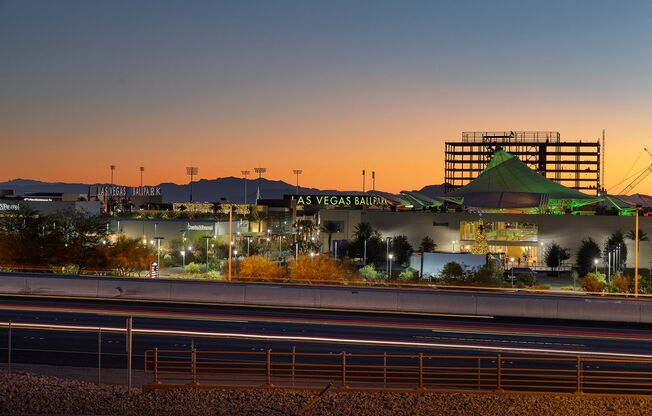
(519,305)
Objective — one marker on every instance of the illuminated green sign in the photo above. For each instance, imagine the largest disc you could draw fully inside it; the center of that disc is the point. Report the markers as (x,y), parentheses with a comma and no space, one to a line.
(339,200)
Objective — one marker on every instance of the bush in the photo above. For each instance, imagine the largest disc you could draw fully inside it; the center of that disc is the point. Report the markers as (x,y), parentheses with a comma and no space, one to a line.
(593,283)
(368,272)
(257,266)
(192,267)
(213,275)
(407,275)
(490,274)
(528,279)
(318,268)
(621,284)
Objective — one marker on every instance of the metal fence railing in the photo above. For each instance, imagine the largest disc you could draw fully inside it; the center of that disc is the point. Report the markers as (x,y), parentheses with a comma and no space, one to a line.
(405,372)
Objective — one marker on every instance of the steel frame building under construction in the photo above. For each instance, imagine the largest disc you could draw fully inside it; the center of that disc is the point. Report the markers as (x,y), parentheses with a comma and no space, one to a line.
(575,164)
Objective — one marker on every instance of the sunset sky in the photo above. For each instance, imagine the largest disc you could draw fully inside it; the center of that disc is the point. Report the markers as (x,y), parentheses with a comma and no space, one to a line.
(330,87)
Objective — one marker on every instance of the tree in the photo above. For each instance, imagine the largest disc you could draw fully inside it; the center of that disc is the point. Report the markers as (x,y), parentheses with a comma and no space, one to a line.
(330,228)
(453,271)
(364,231)
(586,255)
(258,217)
(318,268)
(427,245)
(642,235)
(76,238)
(555,255)
(402,249)
(480,245)
(615,242)
(21,237)
(129,255)
(376,248)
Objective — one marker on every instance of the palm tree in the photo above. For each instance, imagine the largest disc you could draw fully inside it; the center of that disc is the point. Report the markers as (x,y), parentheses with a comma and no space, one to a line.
(257,217)
(642,235)
(330,228)
(363,231)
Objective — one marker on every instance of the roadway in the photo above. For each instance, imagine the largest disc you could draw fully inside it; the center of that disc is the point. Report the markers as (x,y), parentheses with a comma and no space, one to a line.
(214,327)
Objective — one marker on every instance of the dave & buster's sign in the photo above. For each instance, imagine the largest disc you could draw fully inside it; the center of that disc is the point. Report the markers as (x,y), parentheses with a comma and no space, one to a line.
(339,200)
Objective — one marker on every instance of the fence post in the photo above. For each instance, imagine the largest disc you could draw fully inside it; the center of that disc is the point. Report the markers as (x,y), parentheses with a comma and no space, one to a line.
(343,370)
(579,374)
(269,369)
(385,369)
(420,371)
(130,322)
(99,355)
(294,350)
(499,372)
(156,366)
(479,371)
(194,366)
(9,350)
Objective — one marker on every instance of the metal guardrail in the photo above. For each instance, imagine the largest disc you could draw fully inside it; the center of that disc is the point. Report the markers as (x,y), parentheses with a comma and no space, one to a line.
(399,372)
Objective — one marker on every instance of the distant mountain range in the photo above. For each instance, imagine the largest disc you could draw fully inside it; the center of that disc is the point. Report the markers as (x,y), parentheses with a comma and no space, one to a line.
(211,190)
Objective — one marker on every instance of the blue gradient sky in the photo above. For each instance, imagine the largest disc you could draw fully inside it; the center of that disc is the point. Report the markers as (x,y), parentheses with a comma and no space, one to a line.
(330,87)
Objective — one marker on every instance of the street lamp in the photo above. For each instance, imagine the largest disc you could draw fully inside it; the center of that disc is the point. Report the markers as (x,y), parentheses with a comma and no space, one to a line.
(207,238)
(512,270)
(391,256)
(158,252)
(595,261)
(183,259)
(235,253)
(230,234)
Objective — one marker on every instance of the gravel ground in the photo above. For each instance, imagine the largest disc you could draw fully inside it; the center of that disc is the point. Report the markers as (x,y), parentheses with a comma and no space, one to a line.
(25,394)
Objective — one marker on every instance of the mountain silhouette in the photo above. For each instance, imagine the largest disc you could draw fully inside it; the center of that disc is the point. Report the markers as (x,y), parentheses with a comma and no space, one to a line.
(208,190)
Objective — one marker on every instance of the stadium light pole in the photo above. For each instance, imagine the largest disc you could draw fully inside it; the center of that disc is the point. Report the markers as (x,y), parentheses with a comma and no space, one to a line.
(142,169)
(297,172)
(112,171)
(260,172)
(191,171)
(245,173)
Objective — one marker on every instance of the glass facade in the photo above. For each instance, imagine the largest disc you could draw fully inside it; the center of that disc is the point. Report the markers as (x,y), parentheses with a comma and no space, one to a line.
(517,240)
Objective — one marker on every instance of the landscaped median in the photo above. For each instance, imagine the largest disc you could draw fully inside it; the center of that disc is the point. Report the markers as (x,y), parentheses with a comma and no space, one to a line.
(22,394)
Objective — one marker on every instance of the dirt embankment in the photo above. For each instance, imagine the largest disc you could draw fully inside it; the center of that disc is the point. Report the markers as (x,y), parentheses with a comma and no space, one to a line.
(25,394)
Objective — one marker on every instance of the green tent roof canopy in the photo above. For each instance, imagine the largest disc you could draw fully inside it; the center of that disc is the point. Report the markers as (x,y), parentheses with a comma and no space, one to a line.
(507,182)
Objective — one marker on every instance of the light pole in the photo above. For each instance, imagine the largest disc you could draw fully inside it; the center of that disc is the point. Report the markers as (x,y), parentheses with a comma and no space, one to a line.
(260,172)
(636,254)
(595,261)
(191,171)
(387,253)
(364,253)
(230,235)
(391,256)
(142,169)
(112,171)
(248,242)
(245,173)
(235,253)
(297,172)
(207,238)
(454,241)
(512,270)
(158,252)
(183,260)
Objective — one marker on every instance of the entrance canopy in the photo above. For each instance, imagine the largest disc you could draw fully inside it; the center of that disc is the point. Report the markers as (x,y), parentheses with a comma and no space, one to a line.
(508,183)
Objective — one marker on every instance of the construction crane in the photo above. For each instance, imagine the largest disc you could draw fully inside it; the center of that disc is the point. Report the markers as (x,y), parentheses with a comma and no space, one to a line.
(639,177)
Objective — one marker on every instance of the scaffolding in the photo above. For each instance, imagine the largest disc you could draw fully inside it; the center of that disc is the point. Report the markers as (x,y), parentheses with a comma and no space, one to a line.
(575,164)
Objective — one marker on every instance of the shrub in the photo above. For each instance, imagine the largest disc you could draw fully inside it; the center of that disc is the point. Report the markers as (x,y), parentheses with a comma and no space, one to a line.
(407,275)
(528,279)
(593,283)
(318,268)
(621,284)
(490,275)
(257,266)
(192,267)
(368,272)
(213,275)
